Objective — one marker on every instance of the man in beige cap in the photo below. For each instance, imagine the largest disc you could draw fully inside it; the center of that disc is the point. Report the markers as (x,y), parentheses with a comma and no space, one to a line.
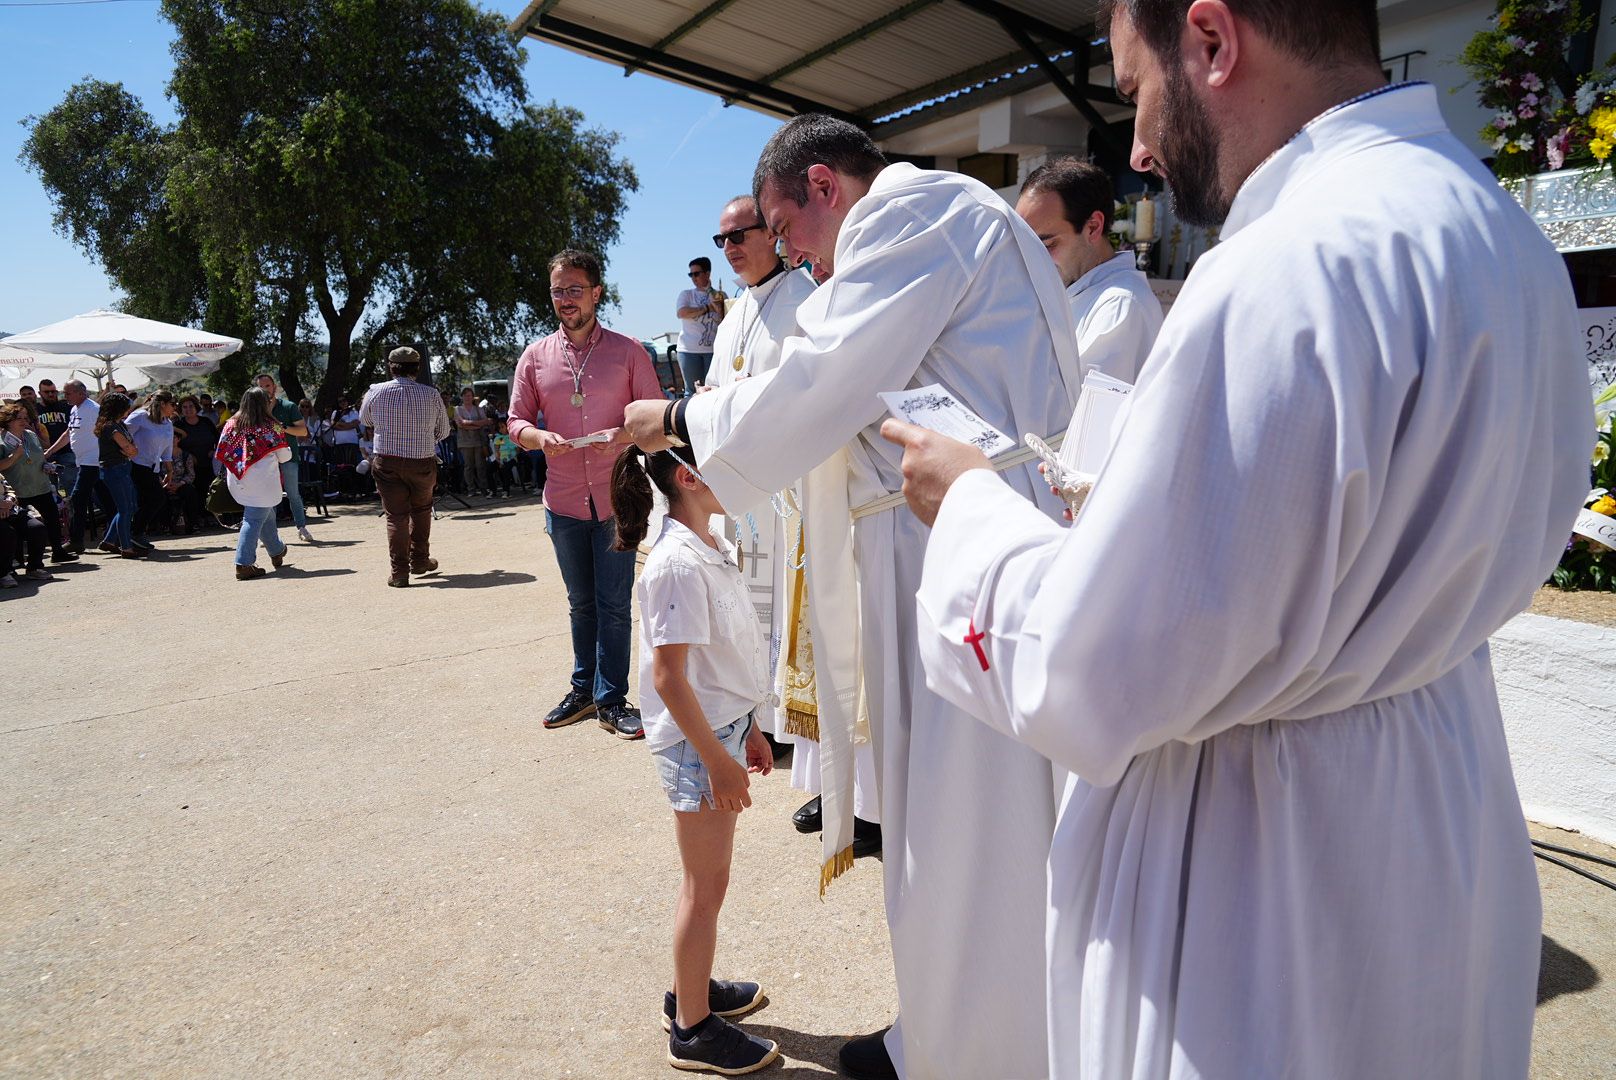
(408,422)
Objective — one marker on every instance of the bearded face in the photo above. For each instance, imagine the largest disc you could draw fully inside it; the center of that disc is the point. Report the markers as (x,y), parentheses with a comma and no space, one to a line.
(1188,149)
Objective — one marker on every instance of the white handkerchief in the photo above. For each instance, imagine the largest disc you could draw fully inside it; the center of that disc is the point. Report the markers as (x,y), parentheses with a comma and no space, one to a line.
(935,409)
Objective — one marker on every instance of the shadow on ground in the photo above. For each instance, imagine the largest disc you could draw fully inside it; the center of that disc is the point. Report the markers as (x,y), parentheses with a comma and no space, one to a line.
(1563,972)
(492,579)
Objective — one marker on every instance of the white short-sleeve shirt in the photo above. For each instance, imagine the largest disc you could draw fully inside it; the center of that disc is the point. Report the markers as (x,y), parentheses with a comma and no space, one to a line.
(692,594)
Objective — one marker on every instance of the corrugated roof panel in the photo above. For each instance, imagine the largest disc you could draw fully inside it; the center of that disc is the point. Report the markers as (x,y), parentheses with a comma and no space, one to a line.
(938,47)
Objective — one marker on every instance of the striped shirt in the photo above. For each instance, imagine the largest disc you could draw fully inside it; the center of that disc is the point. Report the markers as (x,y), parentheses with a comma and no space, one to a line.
(407,417)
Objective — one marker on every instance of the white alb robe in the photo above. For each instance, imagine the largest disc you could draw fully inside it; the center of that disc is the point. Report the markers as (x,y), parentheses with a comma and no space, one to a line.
(1117,317)
(758,321)
(937,280)
(1357,448)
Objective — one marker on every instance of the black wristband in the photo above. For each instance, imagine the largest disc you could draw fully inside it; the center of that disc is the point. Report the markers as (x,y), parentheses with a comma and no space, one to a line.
(681,430)
(667,418)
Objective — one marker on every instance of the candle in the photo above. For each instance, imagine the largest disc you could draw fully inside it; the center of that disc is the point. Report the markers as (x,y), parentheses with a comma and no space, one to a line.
(1144,220)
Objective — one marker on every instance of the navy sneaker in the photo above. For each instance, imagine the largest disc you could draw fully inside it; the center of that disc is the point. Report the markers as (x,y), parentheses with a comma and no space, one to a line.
(724,998)
(576,706)
(721,1047)
(622,720)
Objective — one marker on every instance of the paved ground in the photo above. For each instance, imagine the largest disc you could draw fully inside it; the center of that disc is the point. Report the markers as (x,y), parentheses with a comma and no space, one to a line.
(309,826)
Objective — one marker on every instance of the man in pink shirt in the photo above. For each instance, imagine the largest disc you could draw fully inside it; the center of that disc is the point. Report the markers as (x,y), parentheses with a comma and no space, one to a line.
(579,379)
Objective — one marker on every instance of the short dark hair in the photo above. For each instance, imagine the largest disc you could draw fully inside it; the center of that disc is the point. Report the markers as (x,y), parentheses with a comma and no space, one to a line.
(814,139)
(1082,187)
(1319,31)
(573,259)
(702,262)
(270,375)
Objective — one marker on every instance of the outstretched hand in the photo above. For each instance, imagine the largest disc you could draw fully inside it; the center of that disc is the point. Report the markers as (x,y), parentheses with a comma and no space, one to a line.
(642,424)
(931,464)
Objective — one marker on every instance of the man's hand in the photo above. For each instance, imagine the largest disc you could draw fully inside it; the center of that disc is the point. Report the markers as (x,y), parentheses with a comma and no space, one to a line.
(552,444)
(642,421)
(931,464)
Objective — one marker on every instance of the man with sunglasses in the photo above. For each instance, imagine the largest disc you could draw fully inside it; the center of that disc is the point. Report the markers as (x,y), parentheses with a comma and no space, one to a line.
(700,309)
(578,380)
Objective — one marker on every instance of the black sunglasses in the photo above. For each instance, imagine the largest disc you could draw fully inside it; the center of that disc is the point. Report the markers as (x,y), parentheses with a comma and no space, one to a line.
(735,236)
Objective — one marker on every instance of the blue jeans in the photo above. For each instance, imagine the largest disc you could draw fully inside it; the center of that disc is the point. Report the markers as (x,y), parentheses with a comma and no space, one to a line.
(257,522)
(694,365)
(600,586)
(120,482)
(86,493)
(294,497)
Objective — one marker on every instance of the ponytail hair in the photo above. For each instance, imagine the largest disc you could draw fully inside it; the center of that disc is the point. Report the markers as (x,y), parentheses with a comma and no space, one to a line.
(632,477)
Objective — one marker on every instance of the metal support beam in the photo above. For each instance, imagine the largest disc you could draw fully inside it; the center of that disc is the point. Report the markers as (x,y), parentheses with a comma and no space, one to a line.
(1018,33)
(851,38)
(1003,14)
(617,50)
(684,28)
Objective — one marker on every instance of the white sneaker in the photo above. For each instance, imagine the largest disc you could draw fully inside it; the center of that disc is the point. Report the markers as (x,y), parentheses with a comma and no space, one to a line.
(9,581)
(303,535)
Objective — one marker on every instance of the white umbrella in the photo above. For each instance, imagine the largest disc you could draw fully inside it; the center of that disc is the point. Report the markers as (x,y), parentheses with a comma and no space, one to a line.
(111,346)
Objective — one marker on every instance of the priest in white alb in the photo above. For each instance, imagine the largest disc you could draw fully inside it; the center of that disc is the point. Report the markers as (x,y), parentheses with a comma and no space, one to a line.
(770,540)
(1292,846)
(934,280)
(1069,204)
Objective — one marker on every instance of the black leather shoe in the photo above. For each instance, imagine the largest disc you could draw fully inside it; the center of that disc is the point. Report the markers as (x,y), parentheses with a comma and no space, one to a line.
(866,1058)
(622,720)
(576,706)
(808,818)
(866,838)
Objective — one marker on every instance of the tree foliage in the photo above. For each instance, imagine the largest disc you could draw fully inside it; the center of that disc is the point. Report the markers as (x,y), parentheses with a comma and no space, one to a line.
(374,164)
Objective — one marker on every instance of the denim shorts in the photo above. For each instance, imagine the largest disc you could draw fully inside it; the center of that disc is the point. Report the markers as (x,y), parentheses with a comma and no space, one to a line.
(683,775)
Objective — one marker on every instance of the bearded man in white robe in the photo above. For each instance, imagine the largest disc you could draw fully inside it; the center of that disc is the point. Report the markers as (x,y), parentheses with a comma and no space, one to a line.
(934,280)
(1293,847)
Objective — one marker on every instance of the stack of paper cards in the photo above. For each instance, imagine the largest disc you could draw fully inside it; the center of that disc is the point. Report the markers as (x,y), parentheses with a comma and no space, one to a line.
(590,440)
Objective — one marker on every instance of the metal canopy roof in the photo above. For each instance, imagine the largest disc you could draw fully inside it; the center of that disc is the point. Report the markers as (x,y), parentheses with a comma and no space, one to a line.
(881,66)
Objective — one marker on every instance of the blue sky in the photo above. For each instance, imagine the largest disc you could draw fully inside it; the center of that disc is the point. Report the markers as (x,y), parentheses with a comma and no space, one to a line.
(691,155)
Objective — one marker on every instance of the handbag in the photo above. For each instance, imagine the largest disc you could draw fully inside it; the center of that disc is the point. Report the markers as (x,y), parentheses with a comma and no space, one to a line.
(220,501)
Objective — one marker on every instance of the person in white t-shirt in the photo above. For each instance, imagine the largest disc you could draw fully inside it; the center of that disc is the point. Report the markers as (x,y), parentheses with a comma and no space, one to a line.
(252,447)
(700,309)
(704,673)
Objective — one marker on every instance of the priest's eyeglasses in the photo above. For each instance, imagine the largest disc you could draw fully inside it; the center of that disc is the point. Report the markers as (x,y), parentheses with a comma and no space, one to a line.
(571,292)
(735,236)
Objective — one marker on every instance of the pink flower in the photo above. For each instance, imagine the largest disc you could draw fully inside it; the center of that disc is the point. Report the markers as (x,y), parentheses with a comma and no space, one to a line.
(1529,99)
(1557,147)
(1526,112)
(1529,81)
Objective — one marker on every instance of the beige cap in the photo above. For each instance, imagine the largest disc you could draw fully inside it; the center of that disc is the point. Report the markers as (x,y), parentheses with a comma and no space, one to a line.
(403,355)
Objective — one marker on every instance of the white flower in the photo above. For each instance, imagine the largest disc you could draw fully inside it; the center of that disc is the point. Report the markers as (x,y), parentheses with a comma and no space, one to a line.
(1524,143)
(1594,496)
(1501,142)
(1515,41)
(1505,119)
(1586,93)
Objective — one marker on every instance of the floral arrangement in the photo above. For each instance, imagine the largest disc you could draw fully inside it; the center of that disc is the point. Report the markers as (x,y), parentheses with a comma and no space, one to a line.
(1588,564)
(1545,118)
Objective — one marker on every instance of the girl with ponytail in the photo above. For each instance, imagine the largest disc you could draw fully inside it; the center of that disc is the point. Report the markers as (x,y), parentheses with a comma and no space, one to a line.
(703,674)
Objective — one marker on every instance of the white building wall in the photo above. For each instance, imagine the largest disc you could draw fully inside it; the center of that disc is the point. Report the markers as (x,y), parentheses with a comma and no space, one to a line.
(1557,687)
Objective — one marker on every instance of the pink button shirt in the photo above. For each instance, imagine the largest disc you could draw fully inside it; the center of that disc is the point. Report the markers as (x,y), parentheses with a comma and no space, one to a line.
(618,371)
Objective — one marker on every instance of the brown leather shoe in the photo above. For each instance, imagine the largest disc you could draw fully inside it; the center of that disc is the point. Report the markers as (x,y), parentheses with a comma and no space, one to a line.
(425,567)
(247,573)
(277,560)
(399,582)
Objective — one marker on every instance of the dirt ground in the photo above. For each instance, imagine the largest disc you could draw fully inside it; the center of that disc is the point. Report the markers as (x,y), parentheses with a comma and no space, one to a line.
(1598,608)
(310,826)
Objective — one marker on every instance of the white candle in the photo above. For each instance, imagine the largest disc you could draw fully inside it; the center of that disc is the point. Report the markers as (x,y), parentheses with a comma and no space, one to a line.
(1144,220)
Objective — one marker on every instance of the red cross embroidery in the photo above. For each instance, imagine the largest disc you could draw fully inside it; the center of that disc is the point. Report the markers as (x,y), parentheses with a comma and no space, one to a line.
(974,640)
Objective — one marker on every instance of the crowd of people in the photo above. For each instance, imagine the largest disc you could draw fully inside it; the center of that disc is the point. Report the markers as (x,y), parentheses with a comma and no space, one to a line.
(1225,798)
(126,471)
